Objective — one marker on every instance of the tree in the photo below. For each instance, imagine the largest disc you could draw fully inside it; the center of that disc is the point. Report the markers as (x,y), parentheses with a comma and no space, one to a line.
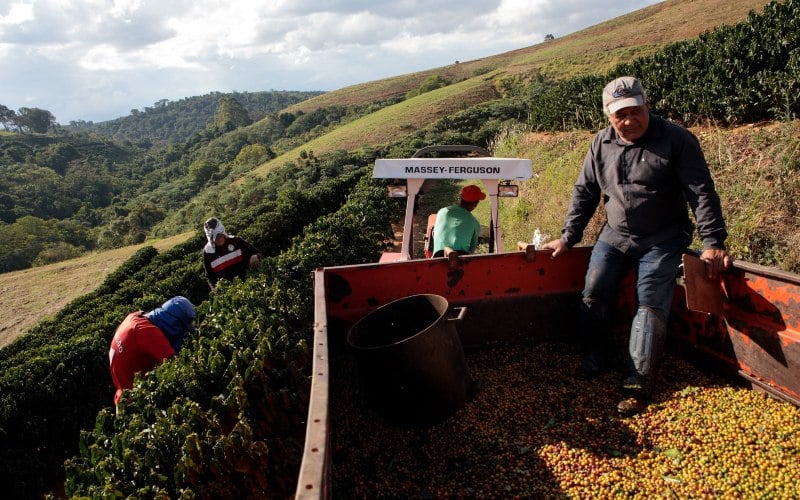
(231,114)
(35,120)
(200,171)
(510,86)
(252,154)
(143,216)
(57,156)
(431,83)
(549,37)
(56,252)
(7,116)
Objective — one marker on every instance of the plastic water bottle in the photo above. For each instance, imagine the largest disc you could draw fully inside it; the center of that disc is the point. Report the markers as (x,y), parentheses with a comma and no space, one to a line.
(537,239)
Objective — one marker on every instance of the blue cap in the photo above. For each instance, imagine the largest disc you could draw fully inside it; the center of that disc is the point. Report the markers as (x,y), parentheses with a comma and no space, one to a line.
(175,317)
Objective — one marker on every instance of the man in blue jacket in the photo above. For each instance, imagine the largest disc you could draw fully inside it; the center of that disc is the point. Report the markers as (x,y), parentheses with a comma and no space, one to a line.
(142,341)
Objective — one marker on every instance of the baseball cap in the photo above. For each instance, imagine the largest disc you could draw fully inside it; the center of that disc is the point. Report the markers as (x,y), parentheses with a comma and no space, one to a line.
(472,193)
(621,93)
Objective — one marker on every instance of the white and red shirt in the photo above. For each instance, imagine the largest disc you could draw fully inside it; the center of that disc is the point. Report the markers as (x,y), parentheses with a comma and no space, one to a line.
(227,261)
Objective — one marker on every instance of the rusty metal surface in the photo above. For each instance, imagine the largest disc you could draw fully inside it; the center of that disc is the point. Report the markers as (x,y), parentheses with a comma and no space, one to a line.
(760,385)
(518,296)
(703,294)
(352,291)
(763,316)
(757,331)
(770,297)
(314,476)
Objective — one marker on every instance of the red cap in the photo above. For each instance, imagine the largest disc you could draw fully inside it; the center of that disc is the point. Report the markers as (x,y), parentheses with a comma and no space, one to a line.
(472,193)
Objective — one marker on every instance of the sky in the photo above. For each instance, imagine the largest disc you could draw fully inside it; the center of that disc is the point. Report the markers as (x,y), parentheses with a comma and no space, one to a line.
(97,60)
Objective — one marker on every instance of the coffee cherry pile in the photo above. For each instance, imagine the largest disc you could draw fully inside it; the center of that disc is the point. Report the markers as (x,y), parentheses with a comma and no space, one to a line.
(534,431)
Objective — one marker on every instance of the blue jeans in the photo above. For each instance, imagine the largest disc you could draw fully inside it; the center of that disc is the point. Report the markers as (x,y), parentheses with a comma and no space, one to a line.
(656,268)
(655,280)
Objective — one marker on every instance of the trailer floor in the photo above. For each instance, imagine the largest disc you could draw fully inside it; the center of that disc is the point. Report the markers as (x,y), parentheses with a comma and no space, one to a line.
(533,430)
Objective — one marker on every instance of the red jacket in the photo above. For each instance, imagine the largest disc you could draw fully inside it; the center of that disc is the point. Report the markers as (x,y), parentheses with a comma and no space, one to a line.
(138,346)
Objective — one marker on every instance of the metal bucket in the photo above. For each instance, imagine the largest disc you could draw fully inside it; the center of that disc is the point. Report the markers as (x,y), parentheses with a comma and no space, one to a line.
(410,360)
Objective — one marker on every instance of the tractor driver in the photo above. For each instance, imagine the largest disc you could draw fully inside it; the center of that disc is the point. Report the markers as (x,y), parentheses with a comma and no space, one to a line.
(456,229)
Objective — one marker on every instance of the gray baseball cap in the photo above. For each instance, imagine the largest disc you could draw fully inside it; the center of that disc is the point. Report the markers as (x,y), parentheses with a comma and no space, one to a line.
(621,93)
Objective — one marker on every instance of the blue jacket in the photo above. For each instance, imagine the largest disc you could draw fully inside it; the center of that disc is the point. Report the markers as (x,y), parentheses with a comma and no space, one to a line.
(175,317)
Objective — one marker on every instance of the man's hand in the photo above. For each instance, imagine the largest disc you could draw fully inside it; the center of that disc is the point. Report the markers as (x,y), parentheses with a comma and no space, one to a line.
(557,246)
(716,261)
(254,261)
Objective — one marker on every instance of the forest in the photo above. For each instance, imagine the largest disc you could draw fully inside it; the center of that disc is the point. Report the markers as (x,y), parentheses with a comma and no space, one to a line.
(93,187)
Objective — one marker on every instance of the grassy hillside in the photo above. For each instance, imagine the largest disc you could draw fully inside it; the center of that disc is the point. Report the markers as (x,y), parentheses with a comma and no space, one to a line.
(594,49)
(389,124)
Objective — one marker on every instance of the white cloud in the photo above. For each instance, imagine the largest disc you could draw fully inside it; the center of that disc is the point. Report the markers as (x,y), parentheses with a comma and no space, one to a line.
(17,13)
(121,8)
(98,59)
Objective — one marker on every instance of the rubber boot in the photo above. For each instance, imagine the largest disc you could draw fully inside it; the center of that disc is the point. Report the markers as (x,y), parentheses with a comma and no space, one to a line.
(596,340)
(647,342)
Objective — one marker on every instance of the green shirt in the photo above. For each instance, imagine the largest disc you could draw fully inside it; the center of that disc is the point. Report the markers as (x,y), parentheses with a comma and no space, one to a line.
(456,228)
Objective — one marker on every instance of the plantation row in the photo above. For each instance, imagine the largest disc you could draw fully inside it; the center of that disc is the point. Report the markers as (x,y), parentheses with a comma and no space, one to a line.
(226,418)
(741,73)
(55,379)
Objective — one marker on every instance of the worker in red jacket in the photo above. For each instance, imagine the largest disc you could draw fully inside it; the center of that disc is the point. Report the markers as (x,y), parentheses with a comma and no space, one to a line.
(142,341)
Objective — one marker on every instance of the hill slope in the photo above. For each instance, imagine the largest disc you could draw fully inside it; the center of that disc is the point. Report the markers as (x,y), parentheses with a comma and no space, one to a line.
(594,49)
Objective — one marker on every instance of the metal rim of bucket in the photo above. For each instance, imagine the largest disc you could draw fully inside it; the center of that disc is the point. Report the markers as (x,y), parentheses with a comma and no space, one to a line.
(368,317)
